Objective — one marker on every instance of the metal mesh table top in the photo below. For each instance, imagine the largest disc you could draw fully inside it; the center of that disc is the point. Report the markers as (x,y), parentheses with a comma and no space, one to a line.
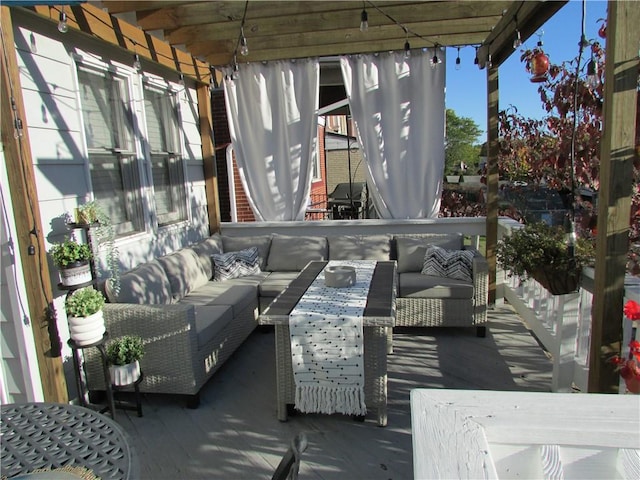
(52,435)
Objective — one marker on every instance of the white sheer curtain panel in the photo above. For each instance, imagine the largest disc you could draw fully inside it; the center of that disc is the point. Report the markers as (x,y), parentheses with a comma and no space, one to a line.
(272,110)
(397,104)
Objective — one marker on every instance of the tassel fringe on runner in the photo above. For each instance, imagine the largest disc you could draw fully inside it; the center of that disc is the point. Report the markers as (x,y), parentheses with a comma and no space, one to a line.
(320,399)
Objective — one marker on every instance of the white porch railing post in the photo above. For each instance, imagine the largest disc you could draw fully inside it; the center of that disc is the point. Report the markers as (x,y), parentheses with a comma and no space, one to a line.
(566,320)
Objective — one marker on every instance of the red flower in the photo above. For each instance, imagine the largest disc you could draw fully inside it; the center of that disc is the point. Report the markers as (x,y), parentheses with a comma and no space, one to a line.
(632,310)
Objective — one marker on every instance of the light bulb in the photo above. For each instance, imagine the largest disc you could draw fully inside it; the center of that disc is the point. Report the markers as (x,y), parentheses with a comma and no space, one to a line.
(407,49)
(458,61)
(62,23)
(364,21)
(136,62)
(489,63)
(517,42)
(435,60)
(181,80)
(476,61)
(244,48)
(593,79)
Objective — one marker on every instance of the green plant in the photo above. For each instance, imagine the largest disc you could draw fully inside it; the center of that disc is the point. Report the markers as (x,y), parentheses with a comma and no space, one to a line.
(538,245)
(103,236)
(84,302)
(69,252)
(125,350)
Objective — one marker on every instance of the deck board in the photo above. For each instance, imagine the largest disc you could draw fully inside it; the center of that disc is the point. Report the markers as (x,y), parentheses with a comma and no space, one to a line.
(235,434)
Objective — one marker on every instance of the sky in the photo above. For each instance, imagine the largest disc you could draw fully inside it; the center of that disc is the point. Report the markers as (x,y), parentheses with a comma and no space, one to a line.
(466,91)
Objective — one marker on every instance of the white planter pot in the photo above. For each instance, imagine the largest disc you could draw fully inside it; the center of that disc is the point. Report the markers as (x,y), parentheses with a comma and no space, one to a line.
(125,374)
(453,178)
(73,276)
(87,330)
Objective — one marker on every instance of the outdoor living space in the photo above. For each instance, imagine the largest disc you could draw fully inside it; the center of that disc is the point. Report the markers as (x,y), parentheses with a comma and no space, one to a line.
(235,432)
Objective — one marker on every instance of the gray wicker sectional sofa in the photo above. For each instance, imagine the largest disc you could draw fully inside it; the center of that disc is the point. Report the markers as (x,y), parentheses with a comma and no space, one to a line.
(191,321)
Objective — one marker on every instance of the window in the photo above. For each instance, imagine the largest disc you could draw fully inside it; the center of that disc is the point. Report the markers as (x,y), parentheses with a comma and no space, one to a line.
(167,165)
(108,125)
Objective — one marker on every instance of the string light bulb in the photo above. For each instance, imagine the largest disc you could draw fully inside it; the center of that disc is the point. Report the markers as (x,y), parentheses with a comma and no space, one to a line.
(62,22)
(593,79)
(489,63)
(476,61)
(244,48)
(407,46)
(435,60)
(181,80)
(458,61)
(517,43)
(364,20)
(136,62)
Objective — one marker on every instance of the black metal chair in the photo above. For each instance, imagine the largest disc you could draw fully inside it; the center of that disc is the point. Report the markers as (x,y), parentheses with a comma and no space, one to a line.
(290,463)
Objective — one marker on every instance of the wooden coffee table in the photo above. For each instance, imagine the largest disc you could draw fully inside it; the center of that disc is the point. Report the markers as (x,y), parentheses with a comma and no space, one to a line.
(378,320)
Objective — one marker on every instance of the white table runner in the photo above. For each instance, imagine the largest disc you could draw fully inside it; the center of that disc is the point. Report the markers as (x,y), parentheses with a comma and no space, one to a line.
(327,344)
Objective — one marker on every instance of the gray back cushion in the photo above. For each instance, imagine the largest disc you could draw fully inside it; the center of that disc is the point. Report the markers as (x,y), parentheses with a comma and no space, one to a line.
(205,249)
(146,284)
(184,271)
(411,249)
(360,247)
(235,244)
(290,253)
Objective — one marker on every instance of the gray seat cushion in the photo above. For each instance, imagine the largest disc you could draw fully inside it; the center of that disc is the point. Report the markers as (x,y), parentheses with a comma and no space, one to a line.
(410,249)
(224,293)
(360,247)
(276,282)
(290,253)
(417,285)
(210,320)
(184,271)
(146,284)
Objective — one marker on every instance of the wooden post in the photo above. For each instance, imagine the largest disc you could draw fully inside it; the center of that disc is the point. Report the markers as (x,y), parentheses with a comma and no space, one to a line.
(616,159)
(208,157)
(492,178)
(24,197)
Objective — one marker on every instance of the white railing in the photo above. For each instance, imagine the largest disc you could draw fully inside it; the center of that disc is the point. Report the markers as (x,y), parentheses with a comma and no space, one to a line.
(562,323)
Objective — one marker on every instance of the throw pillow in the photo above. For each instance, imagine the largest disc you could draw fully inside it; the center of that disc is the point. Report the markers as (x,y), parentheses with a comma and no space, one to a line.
(235,264)
(440,262)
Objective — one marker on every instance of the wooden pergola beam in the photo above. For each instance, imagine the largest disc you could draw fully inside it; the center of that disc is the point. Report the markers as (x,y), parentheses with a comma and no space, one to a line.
(24,197)
(614,207)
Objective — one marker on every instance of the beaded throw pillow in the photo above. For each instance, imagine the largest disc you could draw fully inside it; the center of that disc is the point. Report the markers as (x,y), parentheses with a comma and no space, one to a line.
(440,262)
(236,264)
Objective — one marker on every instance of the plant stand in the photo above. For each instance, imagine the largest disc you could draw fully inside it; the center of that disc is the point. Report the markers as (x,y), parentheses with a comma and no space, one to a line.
(124,405)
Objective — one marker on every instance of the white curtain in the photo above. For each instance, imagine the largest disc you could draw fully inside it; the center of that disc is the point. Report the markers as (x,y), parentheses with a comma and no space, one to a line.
(397,104)
(273,120)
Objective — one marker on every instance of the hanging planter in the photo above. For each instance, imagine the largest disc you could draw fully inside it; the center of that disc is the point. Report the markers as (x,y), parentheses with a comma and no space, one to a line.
(539,65)
(556,282)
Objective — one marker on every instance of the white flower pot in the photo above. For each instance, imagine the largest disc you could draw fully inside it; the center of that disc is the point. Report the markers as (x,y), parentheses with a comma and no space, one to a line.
(76,275)
(125,374)
(87,330)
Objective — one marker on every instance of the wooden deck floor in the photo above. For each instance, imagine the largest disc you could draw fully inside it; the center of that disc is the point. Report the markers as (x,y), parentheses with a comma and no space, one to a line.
(235,434)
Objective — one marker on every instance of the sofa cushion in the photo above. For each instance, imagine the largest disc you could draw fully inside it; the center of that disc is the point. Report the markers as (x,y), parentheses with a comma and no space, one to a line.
(146,284)
(235,264)
(235,244)
(276,282)
(360,247)
(411,249)
(224,293)
(184,271)
(290,253)
(205,249)
(210,321)
(415,284)
(448,263)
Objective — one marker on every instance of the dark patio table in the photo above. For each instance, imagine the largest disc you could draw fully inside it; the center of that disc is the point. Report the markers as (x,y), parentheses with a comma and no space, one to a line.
(54,435)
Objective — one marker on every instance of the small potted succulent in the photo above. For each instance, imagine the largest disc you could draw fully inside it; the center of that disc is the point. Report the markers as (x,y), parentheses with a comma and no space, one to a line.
(540,251)
(85,316)
(123,355)
(72,259)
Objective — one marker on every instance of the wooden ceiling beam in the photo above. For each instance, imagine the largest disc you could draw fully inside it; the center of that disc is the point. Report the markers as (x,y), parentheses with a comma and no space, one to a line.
(123,6)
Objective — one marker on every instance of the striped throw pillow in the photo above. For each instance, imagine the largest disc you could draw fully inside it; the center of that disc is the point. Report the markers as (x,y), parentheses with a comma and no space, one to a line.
(440,262)
(235,264)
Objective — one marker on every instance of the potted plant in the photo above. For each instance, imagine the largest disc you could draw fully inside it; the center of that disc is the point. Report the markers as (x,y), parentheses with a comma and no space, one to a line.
(123,355)
(85,316)
(91,216)
(540,251)
(72,260)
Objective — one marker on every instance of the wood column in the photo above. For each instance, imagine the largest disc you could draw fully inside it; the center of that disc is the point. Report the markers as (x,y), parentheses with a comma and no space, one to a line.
(208,157)
(616,163)
(492,178)
(22,187)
